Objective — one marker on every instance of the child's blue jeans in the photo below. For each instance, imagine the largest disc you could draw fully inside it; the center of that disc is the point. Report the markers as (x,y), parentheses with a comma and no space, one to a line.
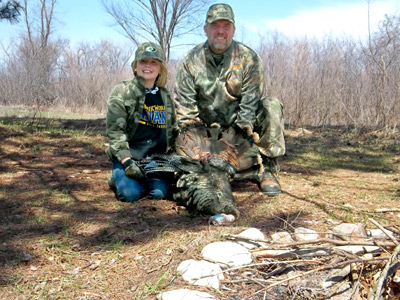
(129,189)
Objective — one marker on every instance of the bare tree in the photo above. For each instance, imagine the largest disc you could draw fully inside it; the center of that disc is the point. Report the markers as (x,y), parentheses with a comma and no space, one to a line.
(39,28)
(382,54)
(10,10)
(33,63)
(160,20)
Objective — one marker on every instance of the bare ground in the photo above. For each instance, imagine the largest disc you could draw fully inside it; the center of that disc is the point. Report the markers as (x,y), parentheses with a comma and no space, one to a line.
(63,235)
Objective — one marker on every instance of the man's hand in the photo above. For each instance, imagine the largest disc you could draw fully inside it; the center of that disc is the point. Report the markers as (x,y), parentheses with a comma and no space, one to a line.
(132,170)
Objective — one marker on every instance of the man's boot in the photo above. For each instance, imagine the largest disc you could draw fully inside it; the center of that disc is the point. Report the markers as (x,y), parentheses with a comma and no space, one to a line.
(269,184)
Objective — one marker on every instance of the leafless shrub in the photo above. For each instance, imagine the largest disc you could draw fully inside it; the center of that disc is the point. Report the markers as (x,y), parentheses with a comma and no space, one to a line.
(382,61)
(89,72)
(336,81)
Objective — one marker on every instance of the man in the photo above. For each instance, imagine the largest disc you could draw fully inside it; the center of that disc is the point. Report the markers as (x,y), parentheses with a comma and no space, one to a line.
(220,84)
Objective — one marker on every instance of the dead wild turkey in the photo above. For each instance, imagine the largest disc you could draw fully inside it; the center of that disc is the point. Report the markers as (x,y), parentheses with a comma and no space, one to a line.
(199,185)
(207,160)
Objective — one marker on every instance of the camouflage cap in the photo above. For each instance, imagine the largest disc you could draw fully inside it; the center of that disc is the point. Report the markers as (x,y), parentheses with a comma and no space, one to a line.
(220,11)
(149,50)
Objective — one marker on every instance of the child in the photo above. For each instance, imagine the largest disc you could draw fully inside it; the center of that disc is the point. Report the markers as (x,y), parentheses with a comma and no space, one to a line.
(140,122)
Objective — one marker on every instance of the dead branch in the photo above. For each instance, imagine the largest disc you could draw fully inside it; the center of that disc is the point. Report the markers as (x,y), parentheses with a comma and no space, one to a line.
(393,229)
(263,264)
(356,281)
(302,253)
(377,290)
(345,254)
(384,210)
(38,170)
(317,241)
(326,241)
(249,280)
(329,267)
(384,231)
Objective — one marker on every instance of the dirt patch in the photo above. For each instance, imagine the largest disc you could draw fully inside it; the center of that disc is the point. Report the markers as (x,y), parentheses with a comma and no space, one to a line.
(63,235)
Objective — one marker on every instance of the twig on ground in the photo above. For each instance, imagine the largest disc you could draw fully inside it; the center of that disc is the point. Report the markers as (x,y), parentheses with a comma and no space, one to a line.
(160,266)
(308,173)
(356,281)
(38,170)
(329,267)
(384,231)
(317,241)
(391,228)
(87,265)
(247,280)
(327,241)
(345,254)
(263,264)
(377,290)
(294,253)
(286,222)
(258,282)
(384,210)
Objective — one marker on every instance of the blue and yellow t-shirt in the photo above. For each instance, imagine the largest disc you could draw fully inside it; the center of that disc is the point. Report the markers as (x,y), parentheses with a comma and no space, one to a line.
(150,136)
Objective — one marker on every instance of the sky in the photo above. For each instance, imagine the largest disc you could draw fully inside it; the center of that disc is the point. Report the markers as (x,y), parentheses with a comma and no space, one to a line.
(87,21)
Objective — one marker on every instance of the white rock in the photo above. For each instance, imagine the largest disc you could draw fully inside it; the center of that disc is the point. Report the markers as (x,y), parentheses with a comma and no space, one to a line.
(349,231)
(227,254)
(379,234)
(251,233)
(305,234)
(184,294)
(282,237)
(192,270)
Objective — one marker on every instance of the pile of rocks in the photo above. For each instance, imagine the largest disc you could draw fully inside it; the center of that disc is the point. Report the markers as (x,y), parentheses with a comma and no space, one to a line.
(306,261)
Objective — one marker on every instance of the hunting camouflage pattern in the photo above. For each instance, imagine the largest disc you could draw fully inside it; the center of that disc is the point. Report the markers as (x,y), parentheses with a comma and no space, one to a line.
(207,159)
(220,11)
(203,182)
(230,94)
(200,186)
(149,50)
(124,109)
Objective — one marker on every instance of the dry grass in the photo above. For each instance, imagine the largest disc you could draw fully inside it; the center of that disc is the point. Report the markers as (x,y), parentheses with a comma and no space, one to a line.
(64,236)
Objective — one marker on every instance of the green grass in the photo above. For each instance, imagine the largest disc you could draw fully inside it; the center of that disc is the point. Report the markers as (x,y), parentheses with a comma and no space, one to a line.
(158,286)
(21,112)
